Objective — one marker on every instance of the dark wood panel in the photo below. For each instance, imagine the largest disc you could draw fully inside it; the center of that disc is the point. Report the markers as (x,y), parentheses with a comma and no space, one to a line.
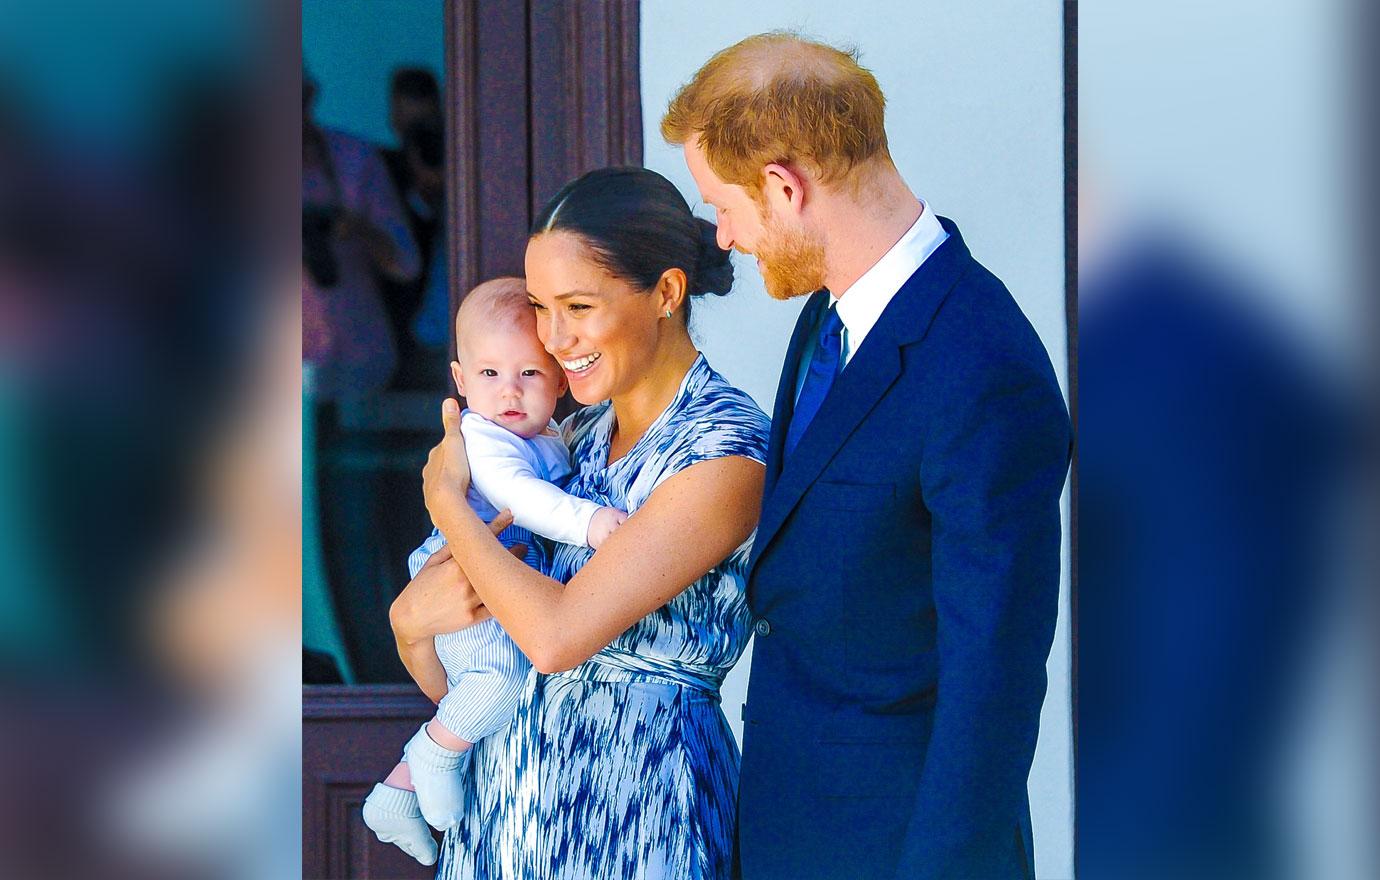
(503,170)
(351,738)
(586,94)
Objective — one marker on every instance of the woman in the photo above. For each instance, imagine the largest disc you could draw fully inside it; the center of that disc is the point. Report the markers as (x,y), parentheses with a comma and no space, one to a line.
(620,762)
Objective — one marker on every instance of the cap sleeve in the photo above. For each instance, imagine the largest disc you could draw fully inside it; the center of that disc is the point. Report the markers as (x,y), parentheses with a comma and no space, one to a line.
(726,424)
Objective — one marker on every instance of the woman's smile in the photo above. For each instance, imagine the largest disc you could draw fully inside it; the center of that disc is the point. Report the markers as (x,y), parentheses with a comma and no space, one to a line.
(579,367)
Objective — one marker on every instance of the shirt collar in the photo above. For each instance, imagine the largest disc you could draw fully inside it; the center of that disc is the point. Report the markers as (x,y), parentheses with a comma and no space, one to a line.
(862,304)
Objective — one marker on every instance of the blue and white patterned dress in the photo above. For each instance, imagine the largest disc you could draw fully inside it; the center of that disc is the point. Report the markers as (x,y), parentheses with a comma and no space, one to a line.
(625,768)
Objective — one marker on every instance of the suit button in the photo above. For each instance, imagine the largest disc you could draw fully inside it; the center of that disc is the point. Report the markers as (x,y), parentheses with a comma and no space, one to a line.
(762,628)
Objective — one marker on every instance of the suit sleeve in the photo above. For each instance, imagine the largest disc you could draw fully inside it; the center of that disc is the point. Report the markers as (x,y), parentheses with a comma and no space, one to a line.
(993,468)
(503,475)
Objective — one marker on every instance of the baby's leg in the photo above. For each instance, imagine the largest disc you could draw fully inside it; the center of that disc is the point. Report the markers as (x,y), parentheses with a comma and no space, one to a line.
(481,701)
(444,738)
(392,813)
(399,777)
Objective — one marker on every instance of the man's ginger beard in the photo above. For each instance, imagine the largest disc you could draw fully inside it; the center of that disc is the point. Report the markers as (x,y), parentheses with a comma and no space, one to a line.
(792,260)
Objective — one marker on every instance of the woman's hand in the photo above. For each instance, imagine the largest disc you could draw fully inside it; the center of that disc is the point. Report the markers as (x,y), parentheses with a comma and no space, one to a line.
(440,599)
(446,477)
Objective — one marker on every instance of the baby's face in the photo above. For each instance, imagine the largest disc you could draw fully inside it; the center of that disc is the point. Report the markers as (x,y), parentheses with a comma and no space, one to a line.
(509,379)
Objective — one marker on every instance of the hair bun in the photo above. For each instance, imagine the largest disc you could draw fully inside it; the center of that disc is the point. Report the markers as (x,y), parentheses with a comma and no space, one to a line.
(713,268)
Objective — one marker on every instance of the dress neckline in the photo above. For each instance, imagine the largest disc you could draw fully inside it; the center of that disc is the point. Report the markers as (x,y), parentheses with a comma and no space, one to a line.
(695,379)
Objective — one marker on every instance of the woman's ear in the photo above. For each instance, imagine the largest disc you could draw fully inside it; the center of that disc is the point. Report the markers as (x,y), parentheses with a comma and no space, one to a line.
(670,291)
(459,376)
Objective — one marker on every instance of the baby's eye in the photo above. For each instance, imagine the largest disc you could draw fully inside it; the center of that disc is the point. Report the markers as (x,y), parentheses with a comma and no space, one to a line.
(531,372)
(490,373)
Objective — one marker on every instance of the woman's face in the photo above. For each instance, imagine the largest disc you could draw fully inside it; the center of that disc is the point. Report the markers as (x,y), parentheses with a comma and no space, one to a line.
(602,331)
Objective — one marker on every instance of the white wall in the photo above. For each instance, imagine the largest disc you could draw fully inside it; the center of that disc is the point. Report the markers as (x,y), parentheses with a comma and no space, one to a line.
(975,124)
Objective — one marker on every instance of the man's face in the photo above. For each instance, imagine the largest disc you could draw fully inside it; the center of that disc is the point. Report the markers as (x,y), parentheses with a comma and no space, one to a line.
(790,257)
(737,214)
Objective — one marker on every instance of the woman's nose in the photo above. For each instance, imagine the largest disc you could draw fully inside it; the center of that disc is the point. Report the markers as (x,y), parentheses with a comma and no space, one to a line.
(557,336)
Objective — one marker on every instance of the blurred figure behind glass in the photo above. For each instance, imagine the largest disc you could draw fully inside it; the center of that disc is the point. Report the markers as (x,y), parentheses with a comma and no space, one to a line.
(419,308)
(353,231)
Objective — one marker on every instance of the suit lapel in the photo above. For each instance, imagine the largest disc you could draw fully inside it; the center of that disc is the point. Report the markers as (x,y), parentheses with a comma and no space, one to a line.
(857,390)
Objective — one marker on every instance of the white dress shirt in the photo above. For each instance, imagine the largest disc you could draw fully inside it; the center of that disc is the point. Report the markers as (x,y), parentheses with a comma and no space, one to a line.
(864,301)
(509,471)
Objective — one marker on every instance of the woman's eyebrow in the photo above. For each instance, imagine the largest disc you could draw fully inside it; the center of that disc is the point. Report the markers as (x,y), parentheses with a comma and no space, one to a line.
(568,294)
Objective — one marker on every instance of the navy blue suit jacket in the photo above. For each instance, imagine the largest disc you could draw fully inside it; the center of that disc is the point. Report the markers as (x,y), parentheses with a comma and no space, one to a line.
(905,581)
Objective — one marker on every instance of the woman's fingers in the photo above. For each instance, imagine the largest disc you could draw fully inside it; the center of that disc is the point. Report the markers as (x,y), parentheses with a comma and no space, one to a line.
(438,557)
(501,522)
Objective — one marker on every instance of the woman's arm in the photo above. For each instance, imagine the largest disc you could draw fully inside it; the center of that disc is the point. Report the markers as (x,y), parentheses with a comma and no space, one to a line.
(438,600)
(647,562)
(425,606)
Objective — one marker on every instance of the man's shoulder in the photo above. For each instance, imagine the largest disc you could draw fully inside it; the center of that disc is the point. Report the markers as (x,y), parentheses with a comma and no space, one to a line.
(980,319)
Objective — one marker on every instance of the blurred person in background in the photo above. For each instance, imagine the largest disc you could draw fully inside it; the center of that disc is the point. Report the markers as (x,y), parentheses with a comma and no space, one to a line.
(419,309)
(1216,325)
(218,794)
(1204,476)
(128,257)
(120,288)
(354,230)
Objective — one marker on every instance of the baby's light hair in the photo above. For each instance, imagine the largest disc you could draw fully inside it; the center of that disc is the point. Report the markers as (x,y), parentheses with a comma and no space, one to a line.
(496,304)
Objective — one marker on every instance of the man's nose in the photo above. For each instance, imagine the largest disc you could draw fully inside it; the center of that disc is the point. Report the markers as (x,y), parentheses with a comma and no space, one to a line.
(723,237)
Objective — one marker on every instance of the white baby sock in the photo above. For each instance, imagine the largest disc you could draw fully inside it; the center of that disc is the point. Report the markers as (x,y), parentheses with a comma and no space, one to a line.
(438,776)
(393,815)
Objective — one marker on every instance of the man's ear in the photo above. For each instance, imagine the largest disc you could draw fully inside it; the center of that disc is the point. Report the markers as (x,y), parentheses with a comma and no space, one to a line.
(459,376)
(784,188)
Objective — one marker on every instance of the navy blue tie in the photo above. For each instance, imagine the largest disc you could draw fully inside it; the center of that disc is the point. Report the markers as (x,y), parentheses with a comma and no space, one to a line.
(824,366)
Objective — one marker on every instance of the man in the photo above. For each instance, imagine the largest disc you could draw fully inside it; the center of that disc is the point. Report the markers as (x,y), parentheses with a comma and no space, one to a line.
(905,572)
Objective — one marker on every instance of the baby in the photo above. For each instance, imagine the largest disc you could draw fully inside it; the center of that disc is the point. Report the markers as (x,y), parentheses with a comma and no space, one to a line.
(511,385)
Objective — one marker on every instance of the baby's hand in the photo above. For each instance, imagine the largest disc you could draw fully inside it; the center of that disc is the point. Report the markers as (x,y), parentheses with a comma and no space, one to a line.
(602,524)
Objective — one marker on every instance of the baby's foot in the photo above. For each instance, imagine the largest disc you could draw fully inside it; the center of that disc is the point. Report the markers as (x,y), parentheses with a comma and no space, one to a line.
(393,815)
(438,776)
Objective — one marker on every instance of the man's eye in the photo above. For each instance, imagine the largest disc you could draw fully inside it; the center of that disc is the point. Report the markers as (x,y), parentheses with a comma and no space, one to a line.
(490,373)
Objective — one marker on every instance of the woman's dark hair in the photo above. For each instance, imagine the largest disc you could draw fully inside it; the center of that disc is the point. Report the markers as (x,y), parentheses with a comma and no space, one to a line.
(638,225)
